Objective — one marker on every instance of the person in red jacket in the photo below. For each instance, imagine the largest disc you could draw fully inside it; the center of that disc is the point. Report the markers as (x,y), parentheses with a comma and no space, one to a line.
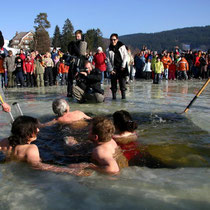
(196,71)
(22,55)
(28,68)
(99,60)
(172,71)
(63,71)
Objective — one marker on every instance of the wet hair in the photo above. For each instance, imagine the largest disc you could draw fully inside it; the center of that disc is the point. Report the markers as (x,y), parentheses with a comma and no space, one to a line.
(103,128)
(23,128)
(116,35)
(124,122)
(59,107)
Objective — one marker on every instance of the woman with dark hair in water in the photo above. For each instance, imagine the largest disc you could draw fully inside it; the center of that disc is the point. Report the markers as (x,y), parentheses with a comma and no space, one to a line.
(124,123)
(24,131)
(126,137)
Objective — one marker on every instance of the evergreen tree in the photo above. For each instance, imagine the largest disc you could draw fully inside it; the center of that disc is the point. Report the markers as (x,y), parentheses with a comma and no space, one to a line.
(56,42)
(94,39)
(42,41)
(41,21)
(41,37)
(67,35)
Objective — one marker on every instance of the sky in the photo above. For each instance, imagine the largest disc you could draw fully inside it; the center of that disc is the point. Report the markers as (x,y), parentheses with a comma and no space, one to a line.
(110,16)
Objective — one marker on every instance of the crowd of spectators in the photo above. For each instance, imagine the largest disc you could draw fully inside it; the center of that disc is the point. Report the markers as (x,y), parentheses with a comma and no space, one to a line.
(173,65)
(36,70)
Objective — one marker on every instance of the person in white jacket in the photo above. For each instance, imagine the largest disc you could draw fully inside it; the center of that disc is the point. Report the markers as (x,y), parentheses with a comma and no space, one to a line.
(147,69)
(117,65)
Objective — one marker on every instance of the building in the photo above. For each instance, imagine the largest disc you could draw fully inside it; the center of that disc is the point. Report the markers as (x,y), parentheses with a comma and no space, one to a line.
(22,40)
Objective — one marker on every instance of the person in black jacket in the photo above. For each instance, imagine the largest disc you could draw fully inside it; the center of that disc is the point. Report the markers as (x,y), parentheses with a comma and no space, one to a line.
(88,85)
(75,59)
(117,57)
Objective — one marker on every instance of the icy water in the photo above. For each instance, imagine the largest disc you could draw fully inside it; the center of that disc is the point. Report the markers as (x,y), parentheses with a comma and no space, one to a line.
(181,141)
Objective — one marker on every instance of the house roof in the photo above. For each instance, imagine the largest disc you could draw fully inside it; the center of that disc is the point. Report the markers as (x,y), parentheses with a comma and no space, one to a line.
(20,35)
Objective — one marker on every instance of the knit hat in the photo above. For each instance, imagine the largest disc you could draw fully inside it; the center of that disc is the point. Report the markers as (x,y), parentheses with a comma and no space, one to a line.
(100,49)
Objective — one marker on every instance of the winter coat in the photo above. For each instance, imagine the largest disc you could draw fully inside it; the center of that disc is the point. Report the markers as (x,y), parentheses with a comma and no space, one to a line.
(197,62)
(116,56)
(154,60)
(28,66)
(99,61)
(183,65)
(159,68)
(9,63)
(22,56)
(38,67)
(48,62)
(1,65)
(166,62)
(63,68)
(147,67)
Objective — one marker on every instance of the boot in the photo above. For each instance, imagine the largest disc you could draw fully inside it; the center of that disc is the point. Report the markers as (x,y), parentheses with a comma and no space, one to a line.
(114,95)
(123,95)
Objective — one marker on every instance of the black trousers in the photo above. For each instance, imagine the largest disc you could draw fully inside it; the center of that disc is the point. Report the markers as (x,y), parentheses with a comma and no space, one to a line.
(19,78)
(156,79)
(122,82)
(48,76)
(70,80)
(29,80)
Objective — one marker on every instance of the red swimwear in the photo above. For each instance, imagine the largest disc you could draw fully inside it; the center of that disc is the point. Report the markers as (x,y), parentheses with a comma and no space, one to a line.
(130,150)
(130,147)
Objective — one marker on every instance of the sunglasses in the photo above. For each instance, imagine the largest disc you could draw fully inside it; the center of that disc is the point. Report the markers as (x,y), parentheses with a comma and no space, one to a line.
(113,39)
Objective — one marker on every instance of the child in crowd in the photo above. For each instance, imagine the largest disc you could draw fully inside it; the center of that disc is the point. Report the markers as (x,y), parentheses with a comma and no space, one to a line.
(18,146)
(172,71)
(39,70)
(158,70)
(147,69)
(19,72)
(63,70)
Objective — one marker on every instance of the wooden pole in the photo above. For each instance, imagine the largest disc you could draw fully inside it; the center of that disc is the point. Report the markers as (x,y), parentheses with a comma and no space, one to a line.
(197,95)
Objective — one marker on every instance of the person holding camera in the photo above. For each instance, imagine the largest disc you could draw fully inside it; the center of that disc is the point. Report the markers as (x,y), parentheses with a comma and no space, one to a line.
(75,59)
(88,85)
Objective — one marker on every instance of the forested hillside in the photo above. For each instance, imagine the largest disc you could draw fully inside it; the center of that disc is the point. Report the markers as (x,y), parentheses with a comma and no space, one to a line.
(192,37)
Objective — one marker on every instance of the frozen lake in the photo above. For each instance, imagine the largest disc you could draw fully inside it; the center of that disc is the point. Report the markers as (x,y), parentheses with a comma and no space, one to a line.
(181,140)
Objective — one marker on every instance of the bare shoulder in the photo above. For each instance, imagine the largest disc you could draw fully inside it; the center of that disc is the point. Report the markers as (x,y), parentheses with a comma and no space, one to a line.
(32,148)
(32,154)
(82,114)
(50,123)
(100,152)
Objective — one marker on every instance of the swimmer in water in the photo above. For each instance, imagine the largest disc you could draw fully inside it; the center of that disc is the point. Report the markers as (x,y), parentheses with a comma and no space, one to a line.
(106,153)
(126,137)
(18,146)
(64,116)
(124,124)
